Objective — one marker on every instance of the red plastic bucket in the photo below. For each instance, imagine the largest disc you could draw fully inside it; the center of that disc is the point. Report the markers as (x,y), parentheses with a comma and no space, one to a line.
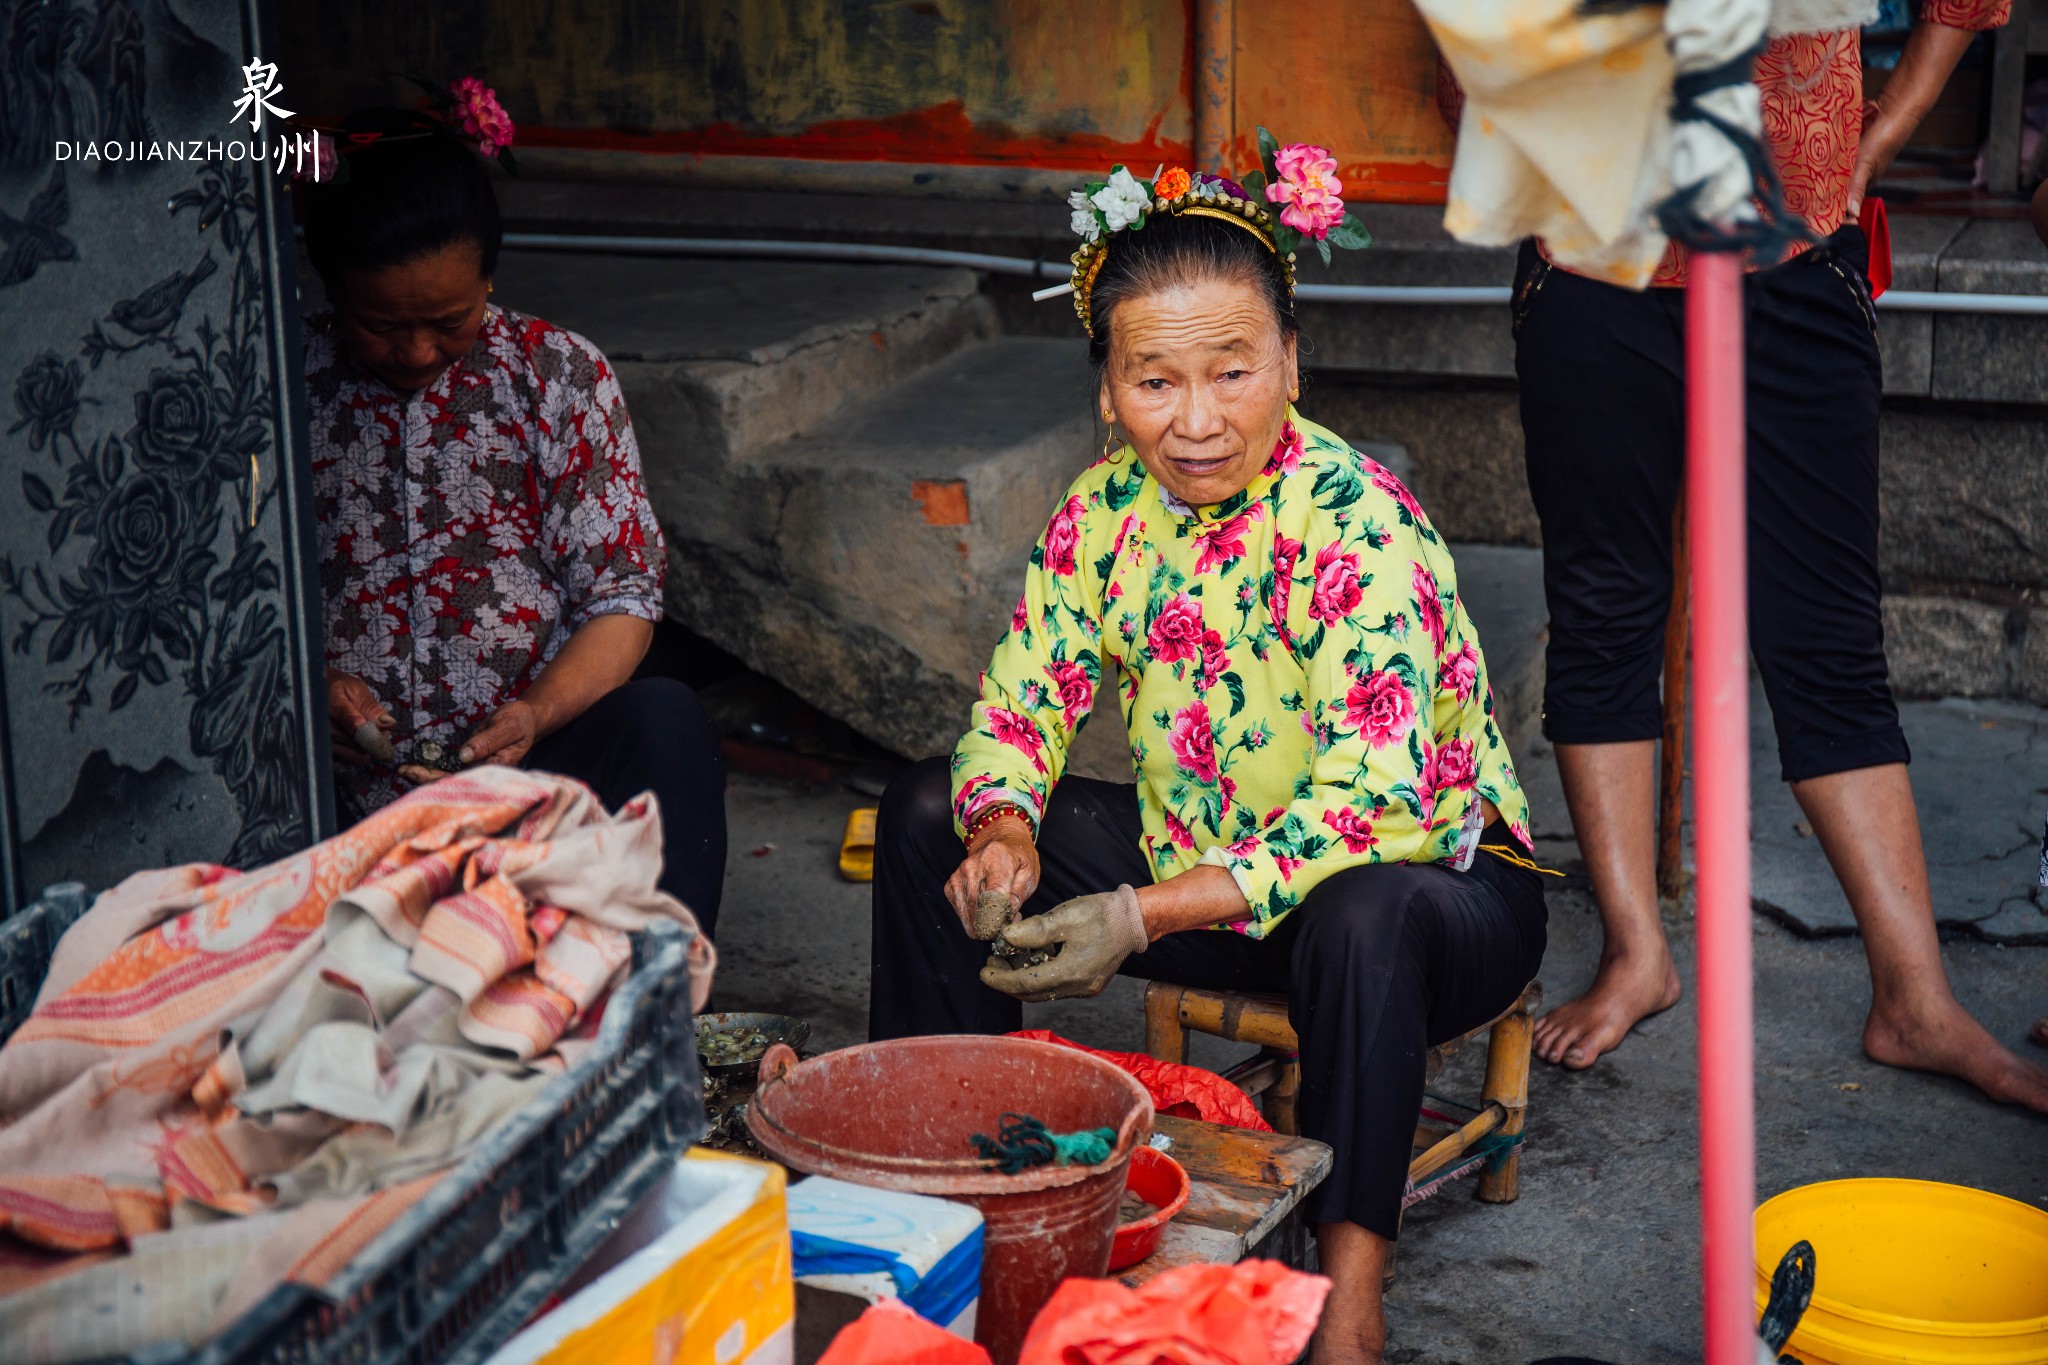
(899,1116)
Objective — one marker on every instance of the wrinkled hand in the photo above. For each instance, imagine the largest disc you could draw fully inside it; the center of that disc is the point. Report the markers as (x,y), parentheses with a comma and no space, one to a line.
(1884,133)
(505,738)
(357,721)
(1095,933)
(1001,858)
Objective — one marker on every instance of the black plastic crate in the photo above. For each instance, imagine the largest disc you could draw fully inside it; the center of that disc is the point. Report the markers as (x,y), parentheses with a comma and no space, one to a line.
(465,1268)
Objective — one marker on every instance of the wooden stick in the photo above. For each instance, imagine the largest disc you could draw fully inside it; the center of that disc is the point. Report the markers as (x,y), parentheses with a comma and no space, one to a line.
(1454,1146)
(1283,1100)
(1240,1018)
(1164,1036)
(1671,753)
(1507,1085)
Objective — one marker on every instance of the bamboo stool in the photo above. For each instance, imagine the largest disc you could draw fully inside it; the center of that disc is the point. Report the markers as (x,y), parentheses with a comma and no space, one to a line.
(1450,1140)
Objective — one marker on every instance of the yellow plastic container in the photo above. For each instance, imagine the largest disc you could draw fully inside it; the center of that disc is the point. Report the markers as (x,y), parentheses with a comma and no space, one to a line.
(1912,1271)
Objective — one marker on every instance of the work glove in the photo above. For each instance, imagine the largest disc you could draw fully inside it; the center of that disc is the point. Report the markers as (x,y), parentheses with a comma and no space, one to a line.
(1094,935)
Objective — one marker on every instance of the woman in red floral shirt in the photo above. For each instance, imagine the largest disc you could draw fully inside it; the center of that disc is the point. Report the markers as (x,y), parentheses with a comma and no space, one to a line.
(490,565)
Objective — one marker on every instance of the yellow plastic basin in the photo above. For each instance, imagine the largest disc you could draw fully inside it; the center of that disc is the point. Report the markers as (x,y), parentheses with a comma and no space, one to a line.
(1911,1270)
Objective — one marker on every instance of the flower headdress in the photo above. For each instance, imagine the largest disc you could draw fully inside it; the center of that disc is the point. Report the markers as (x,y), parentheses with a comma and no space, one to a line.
(1300,178)
(471,108)
(465,106)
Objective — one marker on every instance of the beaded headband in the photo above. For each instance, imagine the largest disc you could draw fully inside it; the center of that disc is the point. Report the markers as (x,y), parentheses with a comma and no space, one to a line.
(1299,177)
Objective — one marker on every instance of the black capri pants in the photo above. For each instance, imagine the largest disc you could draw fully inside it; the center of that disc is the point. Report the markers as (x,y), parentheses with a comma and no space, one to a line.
(1378,963)
(1603,417)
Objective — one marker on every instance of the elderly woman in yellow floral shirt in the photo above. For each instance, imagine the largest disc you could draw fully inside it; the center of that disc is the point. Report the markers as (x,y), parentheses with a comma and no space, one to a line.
(1324,804)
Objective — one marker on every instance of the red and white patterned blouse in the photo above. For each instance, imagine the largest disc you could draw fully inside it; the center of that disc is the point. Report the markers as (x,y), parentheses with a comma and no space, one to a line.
(1812,87)
(467,530)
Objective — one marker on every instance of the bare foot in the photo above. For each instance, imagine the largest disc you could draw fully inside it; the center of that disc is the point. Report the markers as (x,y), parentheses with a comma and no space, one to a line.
(2038,1034)
(1630,987)
(1952,1043)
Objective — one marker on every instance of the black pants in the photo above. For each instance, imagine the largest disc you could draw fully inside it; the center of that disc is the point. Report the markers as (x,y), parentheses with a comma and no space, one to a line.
(1603,415)
(1378,963)
(652,735)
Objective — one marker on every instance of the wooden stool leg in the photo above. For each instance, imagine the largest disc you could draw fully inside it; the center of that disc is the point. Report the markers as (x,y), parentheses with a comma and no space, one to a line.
(1507,1084)
(1281,1100)
(1166,1038)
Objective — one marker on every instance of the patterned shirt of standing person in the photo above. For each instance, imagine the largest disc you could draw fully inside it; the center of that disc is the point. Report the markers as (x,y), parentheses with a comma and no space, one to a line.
(1303,689)
(468,529)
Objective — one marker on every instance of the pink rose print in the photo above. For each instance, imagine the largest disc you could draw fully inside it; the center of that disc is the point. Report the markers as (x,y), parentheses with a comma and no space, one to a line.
(1215,663)
(1286,457)
(1337,592)
(1018,732)
(1245,847)
(1177,633)
(1178,832)
(1273,815)
(1062,534)
(1285,866)
(1193,742)
(1461,671)
(1380,709)
(1457,766)
(1222,542)
(1384,480)
(1285,553)
(1429,607)
(1353,828)
(1077,694)
(1020,619)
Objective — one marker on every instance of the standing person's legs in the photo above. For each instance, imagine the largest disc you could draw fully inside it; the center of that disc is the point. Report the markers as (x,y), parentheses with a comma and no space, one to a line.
(1603,405)
(1384,962)
(926,972)
(1818,635)
(652,734)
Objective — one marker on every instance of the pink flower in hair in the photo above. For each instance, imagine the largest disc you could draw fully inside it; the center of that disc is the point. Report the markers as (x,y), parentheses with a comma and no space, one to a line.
(1305,180)
(478,113)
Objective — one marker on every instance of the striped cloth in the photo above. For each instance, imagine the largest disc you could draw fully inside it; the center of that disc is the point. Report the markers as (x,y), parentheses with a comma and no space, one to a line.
(231,1079)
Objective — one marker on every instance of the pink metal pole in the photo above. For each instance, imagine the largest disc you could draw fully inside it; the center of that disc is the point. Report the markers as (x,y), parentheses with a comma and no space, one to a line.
(1720,699)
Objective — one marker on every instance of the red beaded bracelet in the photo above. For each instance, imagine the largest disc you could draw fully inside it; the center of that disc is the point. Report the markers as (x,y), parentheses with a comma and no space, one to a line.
(989,814)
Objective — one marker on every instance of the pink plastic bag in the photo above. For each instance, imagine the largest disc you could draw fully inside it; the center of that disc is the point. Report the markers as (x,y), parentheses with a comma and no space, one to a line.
(890,1334)
(1251,1313)
(1186,1092)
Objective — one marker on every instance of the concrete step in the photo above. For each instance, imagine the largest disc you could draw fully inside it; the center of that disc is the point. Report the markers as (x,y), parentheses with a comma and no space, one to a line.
(871,563)
(719,358)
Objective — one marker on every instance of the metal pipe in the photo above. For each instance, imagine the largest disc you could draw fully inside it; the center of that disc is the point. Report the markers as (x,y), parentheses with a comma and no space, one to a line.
(1898,300)
(1215,94)
(1715,439)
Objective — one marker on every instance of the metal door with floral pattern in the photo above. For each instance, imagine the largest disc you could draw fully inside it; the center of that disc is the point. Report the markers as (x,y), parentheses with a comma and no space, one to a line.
(159,659)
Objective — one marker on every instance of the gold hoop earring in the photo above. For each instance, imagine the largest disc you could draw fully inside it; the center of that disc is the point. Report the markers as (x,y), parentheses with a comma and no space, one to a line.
(1112,449)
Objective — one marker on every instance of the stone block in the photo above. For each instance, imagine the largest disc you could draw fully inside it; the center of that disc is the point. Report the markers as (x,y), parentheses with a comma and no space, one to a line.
(1992,359)
(817,562)
(1945,647)
(2032,679)
(738,356)
(1466,443)
(1964,495)
(1907,338)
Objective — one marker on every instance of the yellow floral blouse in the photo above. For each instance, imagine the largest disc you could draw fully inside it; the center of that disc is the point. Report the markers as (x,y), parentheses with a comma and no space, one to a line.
(1303,688)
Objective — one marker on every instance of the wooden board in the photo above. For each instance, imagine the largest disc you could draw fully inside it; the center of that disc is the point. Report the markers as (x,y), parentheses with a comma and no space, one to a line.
(1244,1184)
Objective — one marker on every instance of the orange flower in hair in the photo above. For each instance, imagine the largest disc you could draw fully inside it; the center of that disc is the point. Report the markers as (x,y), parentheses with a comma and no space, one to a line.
(1173,184)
